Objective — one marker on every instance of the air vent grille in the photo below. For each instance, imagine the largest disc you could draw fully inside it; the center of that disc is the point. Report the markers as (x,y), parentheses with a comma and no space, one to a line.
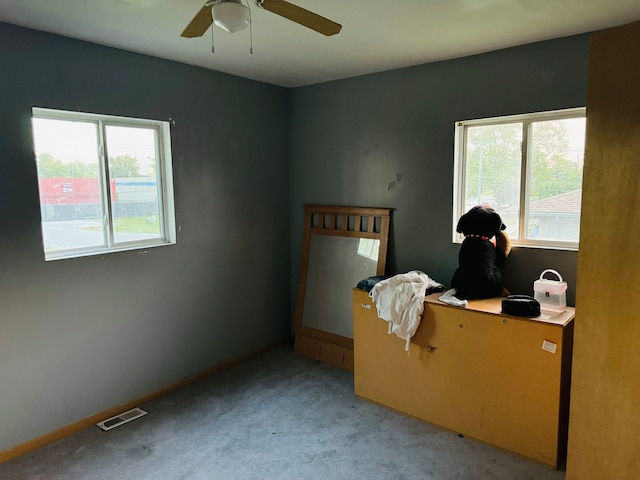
(121,419)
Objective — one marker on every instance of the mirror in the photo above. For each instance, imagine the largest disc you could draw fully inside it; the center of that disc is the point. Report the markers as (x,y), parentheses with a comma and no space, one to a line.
(336,265)
(341,246)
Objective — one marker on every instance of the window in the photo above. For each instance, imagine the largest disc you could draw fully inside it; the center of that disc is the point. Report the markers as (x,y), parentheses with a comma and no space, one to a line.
(529,169)
(105,183)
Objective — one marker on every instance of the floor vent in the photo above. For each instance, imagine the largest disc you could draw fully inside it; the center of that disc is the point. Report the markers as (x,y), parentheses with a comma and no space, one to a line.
(121,419)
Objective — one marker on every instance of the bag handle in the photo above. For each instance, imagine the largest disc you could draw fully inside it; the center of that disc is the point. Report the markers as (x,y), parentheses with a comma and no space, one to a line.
(549,270)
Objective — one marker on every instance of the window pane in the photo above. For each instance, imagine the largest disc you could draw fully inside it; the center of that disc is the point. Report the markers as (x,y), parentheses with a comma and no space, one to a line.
(68,179)
(492,170)
(134,179)
(556,155)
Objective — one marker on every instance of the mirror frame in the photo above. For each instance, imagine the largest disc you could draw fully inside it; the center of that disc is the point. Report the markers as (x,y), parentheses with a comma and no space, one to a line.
(354,222)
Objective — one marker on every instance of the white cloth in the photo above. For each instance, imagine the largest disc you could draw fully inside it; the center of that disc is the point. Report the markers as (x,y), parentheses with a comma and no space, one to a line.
(450,298)
(400,301)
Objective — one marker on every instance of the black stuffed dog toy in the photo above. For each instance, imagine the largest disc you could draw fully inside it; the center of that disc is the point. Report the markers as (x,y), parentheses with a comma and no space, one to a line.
(478,275)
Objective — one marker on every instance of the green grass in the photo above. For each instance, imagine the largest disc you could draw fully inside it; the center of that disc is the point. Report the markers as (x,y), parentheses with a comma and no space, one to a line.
(131,225)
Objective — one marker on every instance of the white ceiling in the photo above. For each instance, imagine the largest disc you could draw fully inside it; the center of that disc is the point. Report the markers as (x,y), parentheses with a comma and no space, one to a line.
(376,35)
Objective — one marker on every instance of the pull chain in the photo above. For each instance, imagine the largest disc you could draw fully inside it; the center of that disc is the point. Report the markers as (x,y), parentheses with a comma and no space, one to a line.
(213,50)
(250,29)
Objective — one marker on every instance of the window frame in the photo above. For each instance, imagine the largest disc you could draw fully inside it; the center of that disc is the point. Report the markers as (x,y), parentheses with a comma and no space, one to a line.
(459,180)
(164,179)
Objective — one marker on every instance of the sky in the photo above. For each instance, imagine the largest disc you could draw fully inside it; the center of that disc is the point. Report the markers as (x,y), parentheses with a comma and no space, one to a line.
(71,141)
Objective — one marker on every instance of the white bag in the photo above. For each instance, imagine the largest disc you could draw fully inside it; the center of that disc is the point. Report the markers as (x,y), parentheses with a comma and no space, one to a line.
(552,294)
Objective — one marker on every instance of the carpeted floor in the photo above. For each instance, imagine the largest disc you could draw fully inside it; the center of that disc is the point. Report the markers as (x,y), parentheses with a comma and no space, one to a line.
(277,416)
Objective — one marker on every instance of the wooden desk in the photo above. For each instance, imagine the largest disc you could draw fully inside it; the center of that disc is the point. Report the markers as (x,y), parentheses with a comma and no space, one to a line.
(493,377)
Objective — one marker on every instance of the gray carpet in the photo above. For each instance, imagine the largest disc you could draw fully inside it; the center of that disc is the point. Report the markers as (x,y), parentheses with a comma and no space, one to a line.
(277,416)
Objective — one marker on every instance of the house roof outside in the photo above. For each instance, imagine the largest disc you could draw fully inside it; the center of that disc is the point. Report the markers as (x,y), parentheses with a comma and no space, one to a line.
(564,203)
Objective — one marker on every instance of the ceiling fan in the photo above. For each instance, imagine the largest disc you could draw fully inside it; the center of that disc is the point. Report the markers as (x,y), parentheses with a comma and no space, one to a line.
(233,15)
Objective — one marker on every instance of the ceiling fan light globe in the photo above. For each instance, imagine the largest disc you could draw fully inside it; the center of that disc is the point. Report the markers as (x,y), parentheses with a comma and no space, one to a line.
(230,16)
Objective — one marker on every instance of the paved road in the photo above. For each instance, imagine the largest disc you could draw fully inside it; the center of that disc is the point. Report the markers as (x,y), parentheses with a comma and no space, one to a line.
(79,234)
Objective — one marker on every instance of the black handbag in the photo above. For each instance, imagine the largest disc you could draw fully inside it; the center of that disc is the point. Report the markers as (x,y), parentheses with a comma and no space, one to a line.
(521,306)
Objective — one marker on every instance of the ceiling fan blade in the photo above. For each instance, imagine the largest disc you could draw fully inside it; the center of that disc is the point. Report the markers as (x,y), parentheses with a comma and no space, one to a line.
(200,23)
(301,16)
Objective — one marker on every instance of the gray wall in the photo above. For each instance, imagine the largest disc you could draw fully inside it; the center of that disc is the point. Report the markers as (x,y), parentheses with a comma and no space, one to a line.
(386,140)
(82,335)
